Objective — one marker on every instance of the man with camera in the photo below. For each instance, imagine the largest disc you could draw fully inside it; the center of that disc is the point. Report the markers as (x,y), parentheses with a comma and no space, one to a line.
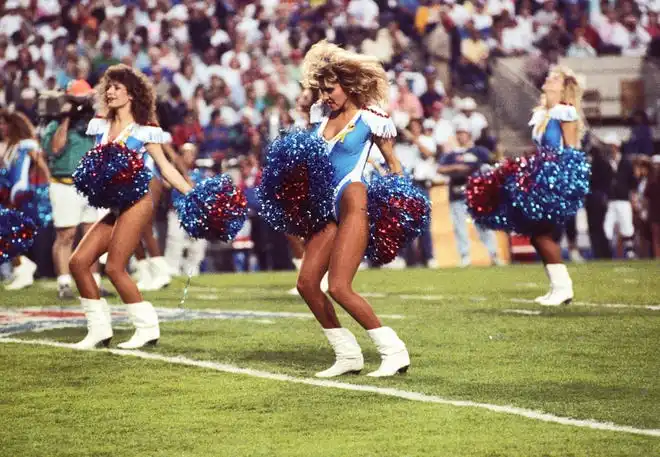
(65,142)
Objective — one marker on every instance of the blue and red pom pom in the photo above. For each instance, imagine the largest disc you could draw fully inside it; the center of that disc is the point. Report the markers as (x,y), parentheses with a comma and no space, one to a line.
(296,192)
(520,193)
(214,210)
(398,213)
(112,176)
(17,233)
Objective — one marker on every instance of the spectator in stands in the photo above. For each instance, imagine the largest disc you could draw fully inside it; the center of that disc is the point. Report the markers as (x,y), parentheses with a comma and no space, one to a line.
(190,131)
(101,63)
(641,136)
(473,63)
(423,170)
(545,18)
(622,183)
(458,165)
(406,101)
(580,47)
(652,24)
(217,138)
(634,39)
(443,129)
(435,90)
(475,120)
(28,105)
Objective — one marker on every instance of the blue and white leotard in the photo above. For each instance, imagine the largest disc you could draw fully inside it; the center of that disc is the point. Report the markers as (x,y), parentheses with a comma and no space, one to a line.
(18,163)
(349,149)
(551,137)
(134,136)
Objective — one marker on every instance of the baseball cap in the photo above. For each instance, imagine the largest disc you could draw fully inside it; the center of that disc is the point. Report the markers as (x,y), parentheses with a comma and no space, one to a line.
(79,88)
(612,139)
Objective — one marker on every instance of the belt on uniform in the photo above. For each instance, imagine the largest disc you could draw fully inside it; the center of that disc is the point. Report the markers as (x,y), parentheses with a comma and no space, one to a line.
(62,180)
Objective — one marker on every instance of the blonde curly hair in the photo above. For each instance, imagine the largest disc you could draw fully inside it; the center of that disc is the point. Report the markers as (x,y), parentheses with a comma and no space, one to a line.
(362,77)
(571,94)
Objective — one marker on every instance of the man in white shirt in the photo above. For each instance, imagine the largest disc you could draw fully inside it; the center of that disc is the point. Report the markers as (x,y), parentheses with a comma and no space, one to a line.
(636,39)
(363,13)
(475,120)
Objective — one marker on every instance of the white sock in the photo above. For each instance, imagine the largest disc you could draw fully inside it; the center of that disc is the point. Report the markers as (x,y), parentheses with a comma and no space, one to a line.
(297,263)
(97,278)
(63,280)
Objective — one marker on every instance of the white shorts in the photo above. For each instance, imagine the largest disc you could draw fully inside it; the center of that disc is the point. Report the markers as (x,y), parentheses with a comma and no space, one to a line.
(70,209)
(619,214)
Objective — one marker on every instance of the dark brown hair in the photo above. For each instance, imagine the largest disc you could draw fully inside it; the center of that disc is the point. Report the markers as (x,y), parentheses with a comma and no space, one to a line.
(20,127)
(143,105)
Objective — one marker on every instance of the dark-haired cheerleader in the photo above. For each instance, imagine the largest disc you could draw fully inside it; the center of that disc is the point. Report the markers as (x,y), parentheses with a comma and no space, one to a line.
(128,102)
(532,195)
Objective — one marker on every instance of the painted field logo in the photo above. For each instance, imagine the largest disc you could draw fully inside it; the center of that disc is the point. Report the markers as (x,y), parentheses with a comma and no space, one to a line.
(19,320)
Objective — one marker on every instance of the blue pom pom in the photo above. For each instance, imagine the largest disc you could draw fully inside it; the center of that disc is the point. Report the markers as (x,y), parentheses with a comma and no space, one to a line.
(215,209)
(551,188)
(112,176)
(296,192)
(398,213)
(35,204)
(524,193)
(17,232)
(196,176)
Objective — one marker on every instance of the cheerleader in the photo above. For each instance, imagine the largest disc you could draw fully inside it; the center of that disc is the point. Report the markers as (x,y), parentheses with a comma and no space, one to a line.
(22,153)
(349,119)
(541,191)
(128,101)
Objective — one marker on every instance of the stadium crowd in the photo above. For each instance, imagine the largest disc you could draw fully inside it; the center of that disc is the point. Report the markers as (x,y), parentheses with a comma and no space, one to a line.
(226,74)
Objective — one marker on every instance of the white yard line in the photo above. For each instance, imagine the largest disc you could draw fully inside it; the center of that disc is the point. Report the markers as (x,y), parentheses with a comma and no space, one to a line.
(388,392)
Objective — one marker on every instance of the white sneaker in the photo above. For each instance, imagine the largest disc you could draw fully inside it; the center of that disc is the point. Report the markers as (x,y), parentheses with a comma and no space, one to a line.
(99,324)
(432,263)
(23,275)
(465,262)
(347,352)
(293,292)
(147,331)
(394,355)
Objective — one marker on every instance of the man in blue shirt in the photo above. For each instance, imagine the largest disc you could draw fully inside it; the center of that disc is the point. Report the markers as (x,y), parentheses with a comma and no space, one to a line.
(459,164)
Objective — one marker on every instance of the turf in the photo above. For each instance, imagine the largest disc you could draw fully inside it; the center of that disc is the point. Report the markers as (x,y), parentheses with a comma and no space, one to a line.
(595,360)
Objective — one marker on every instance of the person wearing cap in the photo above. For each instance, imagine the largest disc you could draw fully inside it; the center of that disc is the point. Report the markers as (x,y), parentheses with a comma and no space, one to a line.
(459,164)
(619,175)
(435,90)
(475,120)
(64,146)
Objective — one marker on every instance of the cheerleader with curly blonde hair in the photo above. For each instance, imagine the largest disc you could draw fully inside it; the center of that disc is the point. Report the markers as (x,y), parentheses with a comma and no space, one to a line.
(351,89)
(541,191)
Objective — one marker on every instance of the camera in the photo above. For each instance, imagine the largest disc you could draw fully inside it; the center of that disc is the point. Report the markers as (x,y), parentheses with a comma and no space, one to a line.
(50,108)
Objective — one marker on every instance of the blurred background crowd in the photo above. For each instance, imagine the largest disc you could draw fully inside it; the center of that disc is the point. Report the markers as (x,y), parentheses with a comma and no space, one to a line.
(226,74)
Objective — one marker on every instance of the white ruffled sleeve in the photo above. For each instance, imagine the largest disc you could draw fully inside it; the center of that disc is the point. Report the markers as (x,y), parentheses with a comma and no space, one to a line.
(380,123)
(151,134)
(29,145)
(564,113)
(316,113)
(97,126)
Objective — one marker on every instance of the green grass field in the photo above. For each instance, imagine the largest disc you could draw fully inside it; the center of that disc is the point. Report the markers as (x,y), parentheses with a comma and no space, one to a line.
(597,360)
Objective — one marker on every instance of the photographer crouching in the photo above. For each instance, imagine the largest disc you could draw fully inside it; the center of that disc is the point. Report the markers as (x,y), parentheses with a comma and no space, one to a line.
(64,141)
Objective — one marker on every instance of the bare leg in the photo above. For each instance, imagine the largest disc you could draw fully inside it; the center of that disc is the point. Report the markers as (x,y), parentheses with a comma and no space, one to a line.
(148,238)
(124,240)
(62,249)
(548,249)
(93,245)
(347,253)
(314,266)
(297,246)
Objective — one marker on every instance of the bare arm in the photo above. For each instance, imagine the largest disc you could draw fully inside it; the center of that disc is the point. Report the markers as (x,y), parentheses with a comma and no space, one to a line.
(168,170)
(386,146)
(59,138)
(569,132)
